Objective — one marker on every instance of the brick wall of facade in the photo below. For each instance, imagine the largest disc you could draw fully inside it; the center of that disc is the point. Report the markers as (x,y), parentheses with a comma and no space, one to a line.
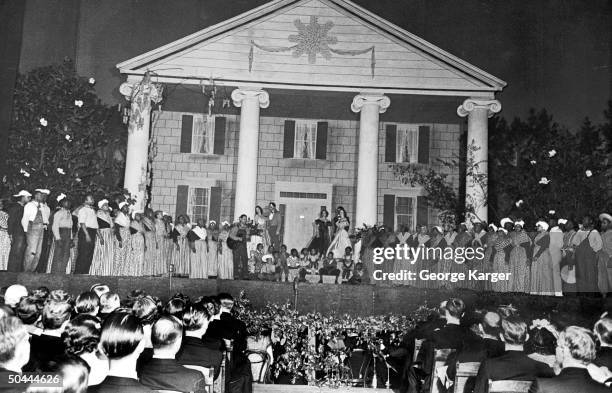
(172,168)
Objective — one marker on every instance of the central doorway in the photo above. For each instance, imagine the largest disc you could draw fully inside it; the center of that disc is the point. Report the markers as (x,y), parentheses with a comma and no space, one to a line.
(300,204)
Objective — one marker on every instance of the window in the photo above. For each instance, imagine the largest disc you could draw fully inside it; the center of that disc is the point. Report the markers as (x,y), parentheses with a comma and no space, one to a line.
(305,142)
(407,144)
(405,212)
(203,135)
(199,203)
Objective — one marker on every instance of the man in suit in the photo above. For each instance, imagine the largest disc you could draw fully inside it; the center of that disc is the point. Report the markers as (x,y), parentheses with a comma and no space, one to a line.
(16,232)
(14,350)
(514,364)
(274,226)
(603,331)
(163,372)
(575,351)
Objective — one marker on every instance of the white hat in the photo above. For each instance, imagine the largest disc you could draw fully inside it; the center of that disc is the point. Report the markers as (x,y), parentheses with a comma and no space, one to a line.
(505,221)
(212,222)
(491,225)
(60,197)
(605,216)
(542,224)
(439,229)
(102,203)
(519,222)
(13,294)
(224,223)
(562,221)
(121,204)
(43,191)
(23,193)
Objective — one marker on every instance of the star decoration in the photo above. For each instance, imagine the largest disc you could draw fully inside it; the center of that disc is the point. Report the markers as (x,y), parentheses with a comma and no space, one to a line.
(313,39)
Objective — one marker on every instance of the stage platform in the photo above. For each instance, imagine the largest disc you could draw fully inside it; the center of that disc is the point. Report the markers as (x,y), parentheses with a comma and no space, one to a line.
(324,298)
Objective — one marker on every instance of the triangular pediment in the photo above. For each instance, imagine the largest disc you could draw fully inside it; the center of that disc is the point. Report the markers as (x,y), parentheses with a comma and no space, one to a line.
(317,43)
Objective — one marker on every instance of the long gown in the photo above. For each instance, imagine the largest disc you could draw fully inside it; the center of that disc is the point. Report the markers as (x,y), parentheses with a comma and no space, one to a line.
(102,263)
(479,241)
(541,268)
(198,256)
(341,239)
(322,239)
(491,239)
(226,262)
(420,263)
(556,244)
(261,236)
(462,240)
(5,240)
(401,263)
(136,256)
(122,226)
(151,253)
(520,280)
(160,262)
(502,249)
(180,257)
(445,265)
(213,253)
(587,245)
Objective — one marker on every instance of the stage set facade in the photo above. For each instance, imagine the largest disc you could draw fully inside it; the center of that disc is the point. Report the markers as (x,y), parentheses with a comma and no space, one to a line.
(306,103)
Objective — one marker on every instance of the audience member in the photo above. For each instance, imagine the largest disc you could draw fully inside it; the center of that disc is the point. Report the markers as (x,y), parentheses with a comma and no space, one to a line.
(81,337)
(87,303)
(73,372)
(603,332)
(197,351)
(13,295)
(29,312)
(49,344)
(109,302)
(14,345)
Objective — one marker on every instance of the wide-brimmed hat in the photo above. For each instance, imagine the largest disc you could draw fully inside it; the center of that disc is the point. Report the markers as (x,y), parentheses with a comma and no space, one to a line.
(23,193)
(505,221)
(43,191)
(605,216)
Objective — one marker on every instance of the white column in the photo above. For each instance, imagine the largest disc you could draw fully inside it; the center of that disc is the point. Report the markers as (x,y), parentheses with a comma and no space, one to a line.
(370,107)
(476,194)
(140,95)
(249,100)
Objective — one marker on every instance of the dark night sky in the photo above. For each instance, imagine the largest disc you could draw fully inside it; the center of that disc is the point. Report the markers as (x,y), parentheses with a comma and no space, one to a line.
(554,54)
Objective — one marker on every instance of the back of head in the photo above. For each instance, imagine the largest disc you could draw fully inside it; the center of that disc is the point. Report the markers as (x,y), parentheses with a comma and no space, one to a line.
(225,300)
(491,324)
(87,303)
(166,332)
(55,313)
(27,310)
(603,330)
(99,289)
(455,307)
(13,294)
(82,334)
(12,333)
(60,295)
(109,302)
(194,318)
(580,343)
(514,330)
(145,309)
(121,335)
(541,341)
(175,307)
(73,370)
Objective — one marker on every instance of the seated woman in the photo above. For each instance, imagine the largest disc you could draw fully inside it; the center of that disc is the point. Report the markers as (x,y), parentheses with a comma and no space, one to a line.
(542,343)
(81,337)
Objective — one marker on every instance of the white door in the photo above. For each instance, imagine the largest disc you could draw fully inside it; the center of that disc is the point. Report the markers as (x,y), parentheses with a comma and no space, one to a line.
(299,216)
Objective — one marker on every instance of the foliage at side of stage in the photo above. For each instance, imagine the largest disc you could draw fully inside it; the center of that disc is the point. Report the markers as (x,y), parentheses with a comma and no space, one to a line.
(63,137)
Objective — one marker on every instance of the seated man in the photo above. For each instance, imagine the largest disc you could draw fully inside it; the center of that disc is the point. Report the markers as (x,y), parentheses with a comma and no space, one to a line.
(330,268)
(163,372)
(603,331)
(575,351)
(195,351)
(49,343)
(122,341)
(514,364)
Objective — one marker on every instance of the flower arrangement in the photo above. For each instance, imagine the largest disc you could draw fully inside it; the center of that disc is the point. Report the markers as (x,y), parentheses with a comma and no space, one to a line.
(314,344)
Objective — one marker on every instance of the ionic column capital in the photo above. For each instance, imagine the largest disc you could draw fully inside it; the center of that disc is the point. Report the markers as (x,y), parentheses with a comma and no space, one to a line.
(240,94)
(143,92)
(491,106)
(360,100)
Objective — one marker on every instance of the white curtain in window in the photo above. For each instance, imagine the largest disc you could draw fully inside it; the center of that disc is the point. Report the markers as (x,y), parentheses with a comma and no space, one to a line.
(407,143)
(305,140)
(203,134)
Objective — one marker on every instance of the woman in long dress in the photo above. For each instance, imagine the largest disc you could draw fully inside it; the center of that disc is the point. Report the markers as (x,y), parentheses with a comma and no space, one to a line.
(433,261)
(148,223)
(261,234)
(225,257)
(197,239)
(341,238)
(5,240)
(104,251)
(446,264)
(136,257)
(501,255)
(122,239)
(587,243)
(169,245)
(160,264)
(520,279)
(541,267)
(321,228)
(180,255)
(462,241)
(213,249)
(418,263)
(490,240)
(479,262)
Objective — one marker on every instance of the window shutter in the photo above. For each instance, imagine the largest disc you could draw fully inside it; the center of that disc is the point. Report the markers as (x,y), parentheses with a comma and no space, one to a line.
(282,208)
(424,145)
(186,133)
(182,195)
(289,139)
(322,140)
(390,143)
(219,144)
(422,211)
(215,204)
(389,211)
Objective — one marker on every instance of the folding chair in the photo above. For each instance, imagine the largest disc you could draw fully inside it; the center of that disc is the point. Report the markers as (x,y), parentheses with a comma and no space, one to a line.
(509,386)
(464,372)
(260,365)
(440,357)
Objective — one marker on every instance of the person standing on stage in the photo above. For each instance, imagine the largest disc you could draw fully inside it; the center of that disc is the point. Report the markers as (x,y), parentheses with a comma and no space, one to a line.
(88,228)
(16,232)
(62,234)
(274,226)
(238,235)
(34,221)
(47,239)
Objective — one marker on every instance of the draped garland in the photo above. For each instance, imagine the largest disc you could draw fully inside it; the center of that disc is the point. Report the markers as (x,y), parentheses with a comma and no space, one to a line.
(313,39)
